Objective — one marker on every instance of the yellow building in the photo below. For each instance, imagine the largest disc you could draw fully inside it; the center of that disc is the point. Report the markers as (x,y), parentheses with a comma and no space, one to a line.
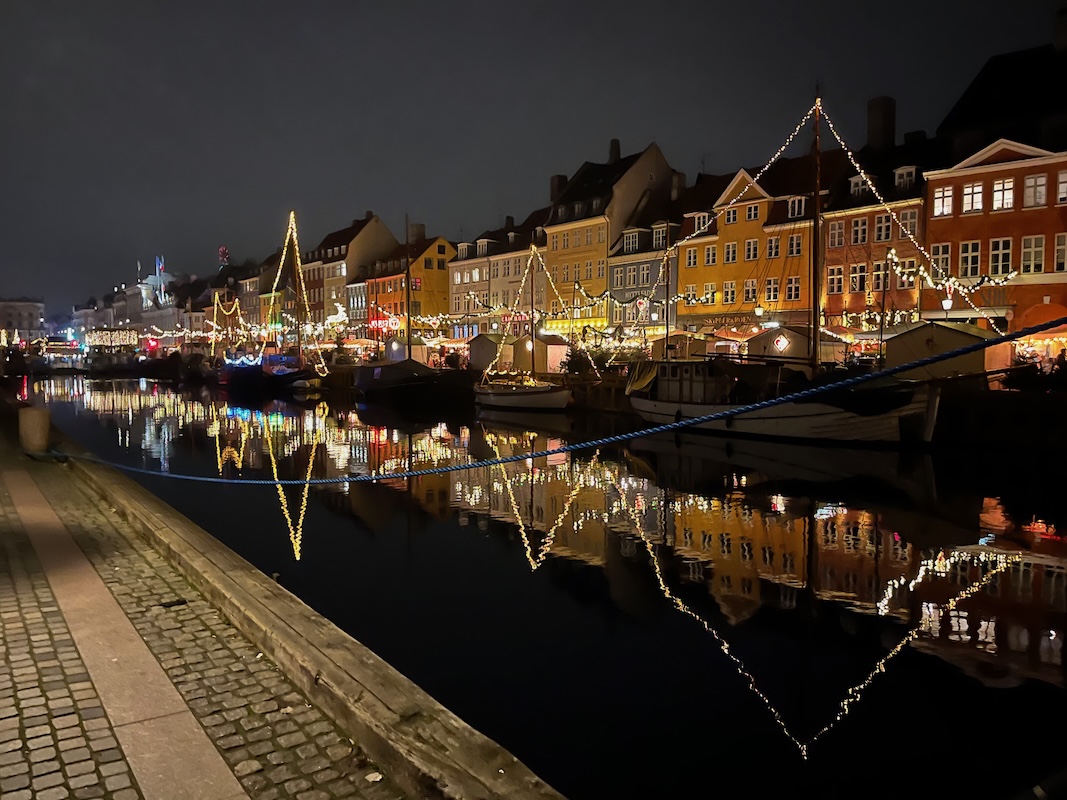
(588,216)
(750,263)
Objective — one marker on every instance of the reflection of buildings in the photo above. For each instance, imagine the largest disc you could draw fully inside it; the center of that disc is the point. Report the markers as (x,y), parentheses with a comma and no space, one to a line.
(1010,630)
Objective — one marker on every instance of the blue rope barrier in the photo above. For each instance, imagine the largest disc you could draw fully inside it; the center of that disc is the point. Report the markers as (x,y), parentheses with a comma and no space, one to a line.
(592,443)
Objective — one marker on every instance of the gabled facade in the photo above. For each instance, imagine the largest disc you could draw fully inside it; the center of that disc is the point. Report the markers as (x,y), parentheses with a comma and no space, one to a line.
(329,265)
(755,266)
(387,291)
(585,226)
(1001,210)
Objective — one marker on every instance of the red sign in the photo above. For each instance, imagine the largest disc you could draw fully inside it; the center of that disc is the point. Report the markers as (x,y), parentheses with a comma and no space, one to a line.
(390,324)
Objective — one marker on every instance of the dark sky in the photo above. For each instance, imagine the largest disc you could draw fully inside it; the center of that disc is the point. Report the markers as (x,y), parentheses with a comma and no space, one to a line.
(134,128)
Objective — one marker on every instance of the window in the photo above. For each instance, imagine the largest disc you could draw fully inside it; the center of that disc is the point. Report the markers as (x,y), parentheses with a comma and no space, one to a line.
(794,244)
(644,274)
(1003,194)
(750,290)
(857,278)
(904,177)
(709,293)
(700,222)
(588,270)
(857,186)
(999,256)
(475,275)
(690,294)
(1061,253)
(906,274)
(427,263)
(1061,187)
(729,253)
(796,207)
(554,241)
(1034,190)
(588,236)
(631,274)
(629,244)
(1033,254)
(691,257)
(709,255)
(566,273)
(751,249)
(616,276)
(942,201)
(837,234)
(882,227)
(835,283)
(659,238)
(729,292)
(496,269)
(909,222)
(731,216)
(507,268)
(770,290)
(792,287)
(456,277)
(940,255)
(969,259)
(600,233)
(859,231)
(600,268)
(752,212)
(567,240)
(972,198)
(617,313)
(774,247)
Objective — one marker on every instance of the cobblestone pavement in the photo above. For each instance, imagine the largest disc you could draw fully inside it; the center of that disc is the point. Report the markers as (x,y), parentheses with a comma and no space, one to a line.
(277,745)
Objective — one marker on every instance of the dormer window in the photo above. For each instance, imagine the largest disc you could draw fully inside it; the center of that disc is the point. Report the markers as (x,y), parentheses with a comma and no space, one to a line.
(561,212)
(513,237)
(596,204)
(857,186)
(464,250)
(904,177)
(483,248)
(578,209)
(700,221)
(629,242)
(796,207)
(659,238)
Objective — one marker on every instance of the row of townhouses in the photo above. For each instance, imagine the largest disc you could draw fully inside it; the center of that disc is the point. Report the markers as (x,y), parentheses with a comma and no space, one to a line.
(933,228)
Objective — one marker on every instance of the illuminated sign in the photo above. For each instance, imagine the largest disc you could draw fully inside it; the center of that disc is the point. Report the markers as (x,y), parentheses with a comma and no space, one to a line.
(391,324)
(781,341)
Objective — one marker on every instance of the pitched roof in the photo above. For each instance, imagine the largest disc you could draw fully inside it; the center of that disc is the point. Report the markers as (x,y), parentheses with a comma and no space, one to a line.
(591,182)
(344,236)
(1010,98)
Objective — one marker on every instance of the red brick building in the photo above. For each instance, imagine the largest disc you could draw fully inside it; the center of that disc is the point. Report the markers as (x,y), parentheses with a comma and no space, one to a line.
(1000,211)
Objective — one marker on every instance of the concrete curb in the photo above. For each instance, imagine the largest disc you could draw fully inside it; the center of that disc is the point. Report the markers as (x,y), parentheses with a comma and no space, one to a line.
(425,748)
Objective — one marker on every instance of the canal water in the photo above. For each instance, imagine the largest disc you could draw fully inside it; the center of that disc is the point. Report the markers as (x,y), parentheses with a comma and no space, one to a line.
(680,616)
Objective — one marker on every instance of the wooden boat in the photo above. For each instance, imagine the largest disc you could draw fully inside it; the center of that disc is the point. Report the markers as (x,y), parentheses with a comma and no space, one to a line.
(525,395)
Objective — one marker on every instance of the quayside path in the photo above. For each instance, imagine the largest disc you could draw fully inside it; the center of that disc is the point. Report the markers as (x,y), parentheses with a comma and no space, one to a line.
(119,680)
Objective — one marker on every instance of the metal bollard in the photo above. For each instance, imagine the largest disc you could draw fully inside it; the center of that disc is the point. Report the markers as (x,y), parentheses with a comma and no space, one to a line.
(34,429)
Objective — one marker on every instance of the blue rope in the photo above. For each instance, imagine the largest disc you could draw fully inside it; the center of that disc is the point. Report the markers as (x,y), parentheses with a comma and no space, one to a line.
(606,440)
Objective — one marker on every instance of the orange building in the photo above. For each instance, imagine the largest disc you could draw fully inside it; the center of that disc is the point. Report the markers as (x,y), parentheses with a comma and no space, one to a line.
(999,212)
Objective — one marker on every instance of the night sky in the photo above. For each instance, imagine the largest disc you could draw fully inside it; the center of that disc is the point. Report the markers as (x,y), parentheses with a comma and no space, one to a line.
(137,128)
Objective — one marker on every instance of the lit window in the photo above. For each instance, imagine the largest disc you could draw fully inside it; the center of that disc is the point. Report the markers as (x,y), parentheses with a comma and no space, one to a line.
(972,198)
(1034,191)
(942,201)
(1003,194)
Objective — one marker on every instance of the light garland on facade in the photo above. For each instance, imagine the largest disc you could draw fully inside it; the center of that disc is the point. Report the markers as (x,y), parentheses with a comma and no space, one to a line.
(117,337)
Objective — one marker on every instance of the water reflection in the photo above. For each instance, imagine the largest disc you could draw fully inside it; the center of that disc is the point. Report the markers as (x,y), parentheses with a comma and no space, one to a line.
(725,530)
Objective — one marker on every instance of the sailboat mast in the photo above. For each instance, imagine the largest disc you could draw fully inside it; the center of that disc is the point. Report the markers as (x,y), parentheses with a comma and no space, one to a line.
(407,279)
(816,246)
(301,302)
(533,341)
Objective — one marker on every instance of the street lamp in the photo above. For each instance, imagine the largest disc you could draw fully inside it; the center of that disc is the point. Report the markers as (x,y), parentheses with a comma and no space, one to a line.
(758,310)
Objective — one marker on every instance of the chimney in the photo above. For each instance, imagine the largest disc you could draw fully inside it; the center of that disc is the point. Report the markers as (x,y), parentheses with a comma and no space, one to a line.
(509,221)
(369,214)
(556,187)
(677,184)
(613,151)
(881,123)
(416,231)
(1060,38)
